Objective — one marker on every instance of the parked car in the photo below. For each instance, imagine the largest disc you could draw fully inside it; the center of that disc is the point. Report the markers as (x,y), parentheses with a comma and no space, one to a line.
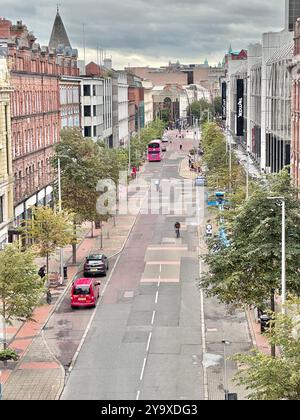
(163,148)
(95,264)
(165,139)
(200,181)
(85,293)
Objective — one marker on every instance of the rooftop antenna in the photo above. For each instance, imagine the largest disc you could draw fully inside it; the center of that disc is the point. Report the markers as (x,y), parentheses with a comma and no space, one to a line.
(83,34)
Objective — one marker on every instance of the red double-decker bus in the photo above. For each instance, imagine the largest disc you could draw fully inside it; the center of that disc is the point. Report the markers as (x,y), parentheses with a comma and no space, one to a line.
(154,151)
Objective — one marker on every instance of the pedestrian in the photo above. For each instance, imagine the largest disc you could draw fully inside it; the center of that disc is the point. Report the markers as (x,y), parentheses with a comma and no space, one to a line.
(157,185)
(42,272)
(49,297)
(177,229)
(180,146)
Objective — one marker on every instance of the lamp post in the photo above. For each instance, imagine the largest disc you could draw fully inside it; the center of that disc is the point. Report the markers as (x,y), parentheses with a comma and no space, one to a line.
(283,253)
(61,250)
(247,175)
(230,157)
(226,390)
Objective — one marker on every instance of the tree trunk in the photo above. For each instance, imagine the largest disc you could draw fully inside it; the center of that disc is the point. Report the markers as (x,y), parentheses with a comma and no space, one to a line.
(101,235)
(74,245)
(273,346)
(47,265)
(4,327)
(92,229)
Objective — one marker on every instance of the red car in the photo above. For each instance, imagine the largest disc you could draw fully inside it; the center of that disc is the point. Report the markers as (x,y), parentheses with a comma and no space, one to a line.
(85,293)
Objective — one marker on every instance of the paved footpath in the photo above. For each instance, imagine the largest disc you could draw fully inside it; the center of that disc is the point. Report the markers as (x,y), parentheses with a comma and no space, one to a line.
(39,375)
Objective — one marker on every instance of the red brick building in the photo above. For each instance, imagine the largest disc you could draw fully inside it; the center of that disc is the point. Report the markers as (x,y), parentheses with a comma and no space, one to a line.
(35,111)
(295,108)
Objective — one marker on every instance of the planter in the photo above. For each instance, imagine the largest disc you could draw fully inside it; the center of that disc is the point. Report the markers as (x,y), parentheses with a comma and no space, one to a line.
(8,355)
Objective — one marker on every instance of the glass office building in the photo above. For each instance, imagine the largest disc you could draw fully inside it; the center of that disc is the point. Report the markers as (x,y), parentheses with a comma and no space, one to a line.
(292,13)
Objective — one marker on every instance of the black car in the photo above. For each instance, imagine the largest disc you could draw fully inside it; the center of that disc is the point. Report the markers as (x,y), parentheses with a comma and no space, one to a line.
(95,264)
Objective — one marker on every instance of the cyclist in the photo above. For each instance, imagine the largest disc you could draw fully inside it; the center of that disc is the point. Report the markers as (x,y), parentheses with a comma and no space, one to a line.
(177,229)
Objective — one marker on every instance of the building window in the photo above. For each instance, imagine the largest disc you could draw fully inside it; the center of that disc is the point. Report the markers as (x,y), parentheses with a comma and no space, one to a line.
(87,131)
(94,110)
(94,90)
(86,90)
(95,130)
(1,209)
(87,110)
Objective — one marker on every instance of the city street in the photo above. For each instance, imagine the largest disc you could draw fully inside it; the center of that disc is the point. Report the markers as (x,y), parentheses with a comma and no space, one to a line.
(152,336)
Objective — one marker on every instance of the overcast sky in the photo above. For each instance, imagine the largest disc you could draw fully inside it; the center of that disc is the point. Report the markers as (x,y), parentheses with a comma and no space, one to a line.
(152,32)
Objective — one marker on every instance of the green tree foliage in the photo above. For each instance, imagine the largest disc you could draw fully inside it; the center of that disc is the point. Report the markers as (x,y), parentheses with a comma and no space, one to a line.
(81,169)
(166,115)
(269,378)
(20,285)
(217,106)
(199,109)
(48,230)
(249,269)
(216,158)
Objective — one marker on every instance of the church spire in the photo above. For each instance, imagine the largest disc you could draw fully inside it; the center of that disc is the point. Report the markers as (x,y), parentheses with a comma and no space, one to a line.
(58,35)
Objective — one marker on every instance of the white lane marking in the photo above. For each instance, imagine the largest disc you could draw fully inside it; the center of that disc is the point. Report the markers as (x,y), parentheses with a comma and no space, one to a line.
(153,316)
(149,341)
(138,395)
(160,268)
(204,345)
(143,369)
(156,297)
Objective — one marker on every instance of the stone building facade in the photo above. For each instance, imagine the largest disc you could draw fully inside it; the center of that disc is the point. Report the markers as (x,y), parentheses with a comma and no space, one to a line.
(6,178)
(36,73)
(295,106)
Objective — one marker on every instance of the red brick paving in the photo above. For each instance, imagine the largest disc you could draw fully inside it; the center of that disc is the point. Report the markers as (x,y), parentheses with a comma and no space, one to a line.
(39,365)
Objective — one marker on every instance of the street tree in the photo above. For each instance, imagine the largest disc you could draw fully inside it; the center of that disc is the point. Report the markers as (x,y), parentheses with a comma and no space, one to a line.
(269,378)
(82,165)
(20,285)
(249,270)
(217,106)
(200,110)
(48,229)
(216,158)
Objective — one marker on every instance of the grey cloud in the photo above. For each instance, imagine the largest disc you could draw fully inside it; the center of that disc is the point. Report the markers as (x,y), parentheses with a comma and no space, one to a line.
(175,28)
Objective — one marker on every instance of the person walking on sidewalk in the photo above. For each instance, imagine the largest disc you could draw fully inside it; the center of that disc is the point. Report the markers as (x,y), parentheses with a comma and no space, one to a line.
(177,229)
(42,272)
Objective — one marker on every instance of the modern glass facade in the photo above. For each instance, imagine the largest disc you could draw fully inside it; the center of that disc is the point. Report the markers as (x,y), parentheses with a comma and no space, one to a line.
(293,13)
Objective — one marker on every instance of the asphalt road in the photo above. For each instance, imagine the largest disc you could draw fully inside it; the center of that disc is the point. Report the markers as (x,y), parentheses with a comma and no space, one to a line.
(147,337)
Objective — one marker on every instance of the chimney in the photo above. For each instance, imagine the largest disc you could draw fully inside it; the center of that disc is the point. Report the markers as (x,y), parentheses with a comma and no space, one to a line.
(4,28)
(108,63)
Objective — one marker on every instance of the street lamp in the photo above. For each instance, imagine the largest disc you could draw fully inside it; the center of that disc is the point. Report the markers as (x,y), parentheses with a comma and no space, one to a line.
(61,250)
(283,254)
(247,175)
(230,158)
(226,390)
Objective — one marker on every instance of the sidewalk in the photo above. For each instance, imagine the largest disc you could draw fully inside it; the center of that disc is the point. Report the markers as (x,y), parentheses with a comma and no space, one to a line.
(38,374)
